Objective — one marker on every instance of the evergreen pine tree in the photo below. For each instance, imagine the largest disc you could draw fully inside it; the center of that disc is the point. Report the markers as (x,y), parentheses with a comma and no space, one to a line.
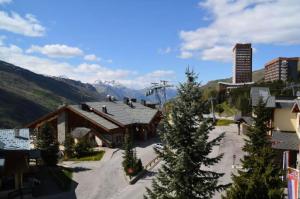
(130,163)
(48,145)
(69,146)
(260,177)
(186,155)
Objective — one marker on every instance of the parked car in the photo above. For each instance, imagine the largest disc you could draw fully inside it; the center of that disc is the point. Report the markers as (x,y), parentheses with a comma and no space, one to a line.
(158,146)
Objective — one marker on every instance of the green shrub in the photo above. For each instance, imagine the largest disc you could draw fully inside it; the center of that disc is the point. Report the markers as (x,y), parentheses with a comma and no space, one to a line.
(48,145)
(226,109)
(69,146)
(92,156)
(131,164)
(219,108)
(82,148)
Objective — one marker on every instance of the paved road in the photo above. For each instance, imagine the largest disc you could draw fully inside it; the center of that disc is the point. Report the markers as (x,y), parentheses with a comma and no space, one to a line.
(137,190)
(230,145)
(105,179)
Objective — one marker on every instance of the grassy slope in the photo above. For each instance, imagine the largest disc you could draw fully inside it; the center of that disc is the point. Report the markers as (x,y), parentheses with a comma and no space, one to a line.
(224,122)
(25,96)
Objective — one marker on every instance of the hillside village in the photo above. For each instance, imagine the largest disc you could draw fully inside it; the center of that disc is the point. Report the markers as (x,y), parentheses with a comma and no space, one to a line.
(100,125)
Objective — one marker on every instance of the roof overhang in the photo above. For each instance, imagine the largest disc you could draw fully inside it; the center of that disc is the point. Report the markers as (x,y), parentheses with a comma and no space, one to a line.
(54,114)
(46,117)
(285,140)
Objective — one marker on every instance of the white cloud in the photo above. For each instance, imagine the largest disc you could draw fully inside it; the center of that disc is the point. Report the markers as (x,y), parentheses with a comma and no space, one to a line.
(28,25)
(165,50)
(84,72)
(5,1)
(217,53)
(93,72)
(185,55)
(255,21)
(145,80)
(56,50)
(161,73)
(2,38)
(91,57)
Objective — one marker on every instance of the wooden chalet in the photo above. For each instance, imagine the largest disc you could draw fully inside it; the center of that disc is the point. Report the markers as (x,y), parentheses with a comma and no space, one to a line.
(107,120)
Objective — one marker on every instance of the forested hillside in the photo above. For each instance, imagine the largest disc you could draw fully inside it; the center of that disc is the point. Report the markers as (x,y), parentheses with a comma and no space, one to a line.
(25,96)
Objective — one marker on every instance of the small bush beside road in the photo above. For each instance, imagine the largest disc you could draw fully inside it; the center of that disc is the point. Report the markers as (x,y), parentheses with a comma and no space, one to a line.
(131,164)
(91,156)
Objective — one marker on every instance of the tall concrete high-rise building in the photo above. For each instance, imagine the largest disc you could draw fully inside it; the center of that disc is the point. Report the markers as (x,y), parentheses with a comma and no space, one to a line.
(242,63)
(282,68)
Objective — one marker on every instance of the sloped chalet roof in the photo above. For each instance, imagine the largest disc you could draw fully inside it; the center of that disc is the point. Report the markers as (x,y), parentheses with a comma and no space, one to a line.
(92,116)
(118,114)
(296,106)
(14,139)
(125,114)
(257,93)
(101,122)
(80,132)
(285,140)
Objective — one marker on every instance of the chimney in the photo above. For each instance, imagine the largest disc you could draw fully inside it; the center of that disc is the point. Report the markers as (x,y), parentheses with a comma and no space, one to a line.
(85,107)
(104,109)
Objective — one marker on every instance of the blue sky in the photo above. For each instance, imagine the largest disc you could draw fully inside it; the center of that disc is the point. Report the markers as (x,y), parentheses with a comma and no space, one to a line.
(136,42)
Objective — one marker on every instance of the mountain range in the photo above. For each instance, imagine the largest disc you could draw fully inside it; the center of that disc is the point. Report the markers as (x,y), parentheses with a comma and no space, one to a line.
(119,91)
(26,96)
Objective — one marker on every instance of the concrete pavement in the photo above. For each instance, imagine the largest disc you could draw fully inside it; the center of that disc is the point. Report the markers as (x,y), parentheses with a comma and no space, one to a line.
(105,179)
(231,145)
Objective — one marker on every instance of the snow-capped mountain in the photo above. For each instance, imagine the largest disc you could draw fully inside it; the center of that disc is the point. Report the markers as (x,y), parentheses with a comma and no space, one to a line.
(120,91)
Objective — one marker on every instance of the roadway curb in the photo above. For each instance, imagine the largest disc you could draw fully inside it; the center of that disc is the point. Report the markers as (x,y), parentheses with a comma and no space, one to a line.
(114,152)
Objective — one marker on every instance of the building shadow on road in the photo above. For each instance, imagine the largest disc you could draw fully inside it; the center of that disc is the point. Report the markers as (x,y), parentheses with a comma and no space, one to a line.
(79,169)
(149,174)
(54,185)
(144,144)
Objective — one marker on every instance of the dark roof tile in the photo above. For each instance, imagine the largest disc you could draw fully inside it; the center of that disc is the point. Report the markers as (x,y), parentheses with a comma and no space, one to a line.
(285,140)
